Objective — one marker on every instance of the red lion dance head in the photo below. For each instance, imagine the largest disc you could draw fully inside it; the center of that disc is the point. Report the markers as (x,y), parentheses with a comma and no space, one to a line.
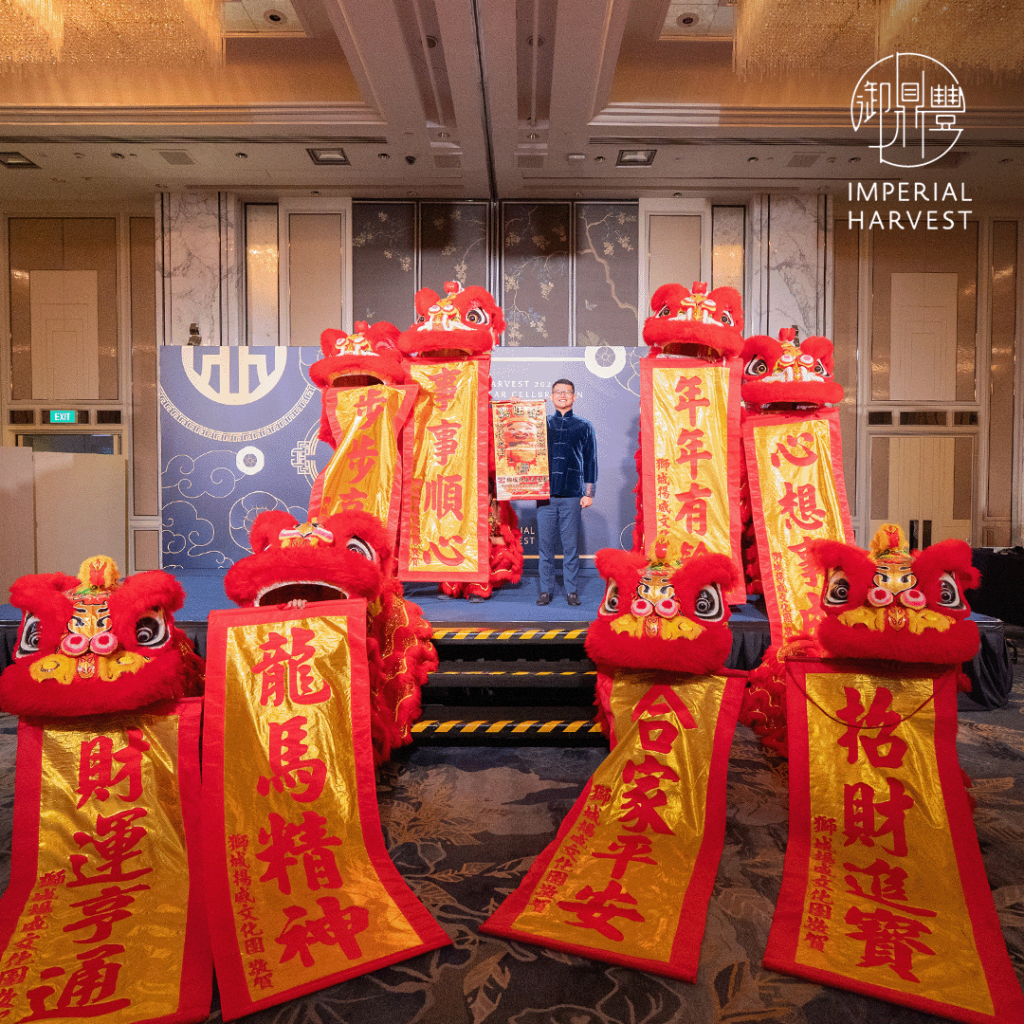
(662,612)
(708,325)
(97,643)
(784,373)
(347,555)
(892,604)
(464,322)
(369,355)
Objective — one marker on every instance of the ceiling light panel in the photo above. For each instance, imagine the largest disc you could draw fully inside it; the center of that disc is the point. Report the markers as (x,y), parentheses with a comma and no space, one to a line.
(17,161)
(328,157)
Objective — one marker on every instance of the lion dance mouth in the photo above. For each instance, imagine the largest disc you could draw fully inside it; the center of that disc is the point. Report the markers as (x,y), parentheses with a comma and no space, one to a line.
(654,627)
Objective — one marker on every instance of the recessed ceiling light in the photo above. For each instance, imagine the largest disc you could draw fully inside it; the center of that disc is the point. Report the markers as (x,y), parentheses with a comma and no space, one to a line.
(383,156)
(328,156)
(242,156)
(17,161)
(751,159)
(635,157)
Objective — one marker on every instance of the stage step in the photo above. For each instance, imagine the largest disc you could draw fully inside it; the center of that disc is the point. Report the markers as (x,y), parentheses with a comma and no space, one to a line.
(509,700)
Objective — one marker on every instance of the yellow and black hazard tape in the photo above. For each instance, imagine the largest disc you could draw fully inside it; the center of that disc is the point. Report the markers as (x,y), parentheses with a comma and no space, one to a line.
(499,635)
(431,728)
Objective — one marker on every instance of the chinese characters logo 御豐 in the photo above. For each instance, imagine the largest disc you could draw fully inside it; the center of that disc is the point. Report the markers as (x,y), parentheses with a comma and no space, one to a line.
(911,101)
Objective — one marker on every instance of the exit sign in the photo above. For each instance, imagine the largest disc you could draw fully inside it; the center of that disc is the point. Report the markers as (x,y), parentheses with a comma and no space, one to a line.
(63,416)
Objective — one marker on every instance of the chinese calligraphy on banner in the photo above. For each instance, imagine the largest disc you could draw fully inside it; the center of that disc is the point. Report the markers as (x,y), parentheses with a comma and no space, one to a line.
(884,889)
(303,893)
(100,890)
(444,500)
(794,466)
(521,449)
(628,877)
(365,471)
(690,455)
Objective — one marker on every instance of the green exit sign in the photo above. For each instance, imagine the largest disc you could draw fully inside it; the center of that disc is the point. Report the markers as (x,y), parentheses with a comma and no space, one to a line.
(63,416)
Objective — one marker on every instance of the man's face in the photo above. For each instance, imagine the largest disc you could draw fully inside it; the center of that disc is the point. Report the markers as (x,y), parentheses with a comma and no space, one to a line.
(563,396)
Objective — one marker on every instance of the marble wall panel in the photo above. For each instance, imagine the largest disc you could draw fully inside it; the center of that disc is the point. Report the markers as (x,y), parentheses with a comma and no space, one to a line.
(191,285)
(796,268)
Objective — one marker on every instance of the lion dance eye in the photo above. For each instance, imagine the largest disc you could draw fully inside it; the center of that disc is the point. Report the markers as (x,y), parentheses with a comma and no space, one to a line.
(949,592)
(757,367)
(360,547)
(477,316)
(151,631)
(664,311)
(28,642)
(610,604)
(838,590)
(708,604)
(726,318)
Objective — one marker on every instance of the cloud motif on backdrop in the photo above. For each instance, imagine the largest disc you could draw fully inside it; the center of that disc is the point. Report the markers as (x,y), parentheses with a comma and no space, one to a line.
(187,535)
(212,473)
(245,510)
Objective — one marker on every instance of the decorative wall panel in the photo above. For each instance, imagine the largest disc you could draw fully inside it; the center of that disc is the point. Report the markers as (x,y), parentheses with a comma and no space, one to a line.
(536,273)
(606,273)
(384,262)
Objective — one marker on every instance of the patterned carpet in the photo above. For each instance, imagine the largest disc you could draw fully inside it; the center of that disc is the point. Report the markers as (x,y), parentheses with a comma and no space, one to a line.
(463,825)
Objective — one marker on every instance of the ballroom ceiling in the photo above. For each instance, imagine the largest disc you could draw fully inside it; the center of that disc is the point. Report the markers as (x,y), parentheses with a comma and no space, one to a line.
(452,99)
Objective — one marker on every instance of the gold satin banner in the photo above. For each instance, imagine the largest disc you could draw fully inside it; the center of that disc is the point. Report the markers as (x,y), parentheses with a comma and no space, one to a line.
(105,924)
(521,449)
(364,472)
(303,892)
(794,462)
(884,890)
(444,504)
(690,455)
(629,875)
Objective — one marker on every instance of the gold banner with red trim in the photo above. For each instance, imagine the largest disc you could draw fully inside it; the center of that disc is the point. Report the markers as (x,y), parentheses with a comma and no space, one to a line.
(691,459)
(444,492)
(521,449)
(884,889)
(629,875)
(302,891)
(365,470)
(794,467)
(103,917)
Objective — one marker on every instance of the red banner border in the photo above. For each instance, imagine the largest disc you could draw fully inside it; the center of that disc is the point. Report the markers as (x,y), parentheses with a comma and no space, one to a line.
(771,596)
(235,999)
(195,991)
(402,415)
(783,937)
(733,455)
(683,959)
(483,428)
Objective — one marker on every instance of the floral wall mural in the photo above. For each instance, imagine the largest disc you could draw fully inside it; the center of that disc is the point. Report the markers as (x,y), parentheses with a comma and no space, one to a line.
(565,273)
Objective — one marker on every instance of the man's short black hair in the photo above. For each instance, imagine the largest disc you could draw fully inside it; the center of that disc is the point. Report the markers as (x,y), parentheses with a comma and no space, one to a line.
(564,380)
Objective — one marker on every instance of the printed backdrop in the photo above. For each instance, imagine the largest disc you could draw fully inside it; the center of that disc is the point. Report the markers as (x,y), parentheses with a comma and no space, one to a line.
(238,435)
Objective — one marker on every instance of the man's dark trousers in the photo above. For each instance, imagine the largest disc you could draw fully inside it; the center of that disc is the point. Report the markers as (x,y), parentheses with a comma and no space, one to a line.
(559,516)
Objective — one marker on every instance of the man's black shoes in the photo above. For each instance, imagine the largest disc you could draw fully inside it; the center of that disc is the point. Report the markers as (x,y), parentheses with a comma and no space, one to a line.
(545,598)
(573,599)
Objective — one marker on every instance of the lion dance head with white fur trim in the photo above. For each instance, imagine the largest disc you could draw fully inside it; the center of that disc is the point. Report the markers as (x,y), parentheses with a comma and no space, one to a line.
(98,642)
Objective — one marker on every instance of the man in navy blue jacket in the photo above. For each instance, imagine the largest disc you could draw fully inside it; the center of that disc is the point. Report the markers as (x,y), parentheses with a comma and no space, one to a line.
(572,468)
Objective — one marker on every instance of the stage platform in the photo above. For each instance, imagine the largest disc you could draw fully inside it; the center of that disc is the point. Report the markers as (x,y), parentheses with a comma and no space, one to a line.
(509,654)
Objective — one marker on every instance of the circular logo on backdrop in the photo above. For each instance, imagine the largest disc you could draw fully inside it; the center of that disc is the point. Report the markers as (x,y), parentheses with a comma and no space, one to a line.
(909,103)
(604,360)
